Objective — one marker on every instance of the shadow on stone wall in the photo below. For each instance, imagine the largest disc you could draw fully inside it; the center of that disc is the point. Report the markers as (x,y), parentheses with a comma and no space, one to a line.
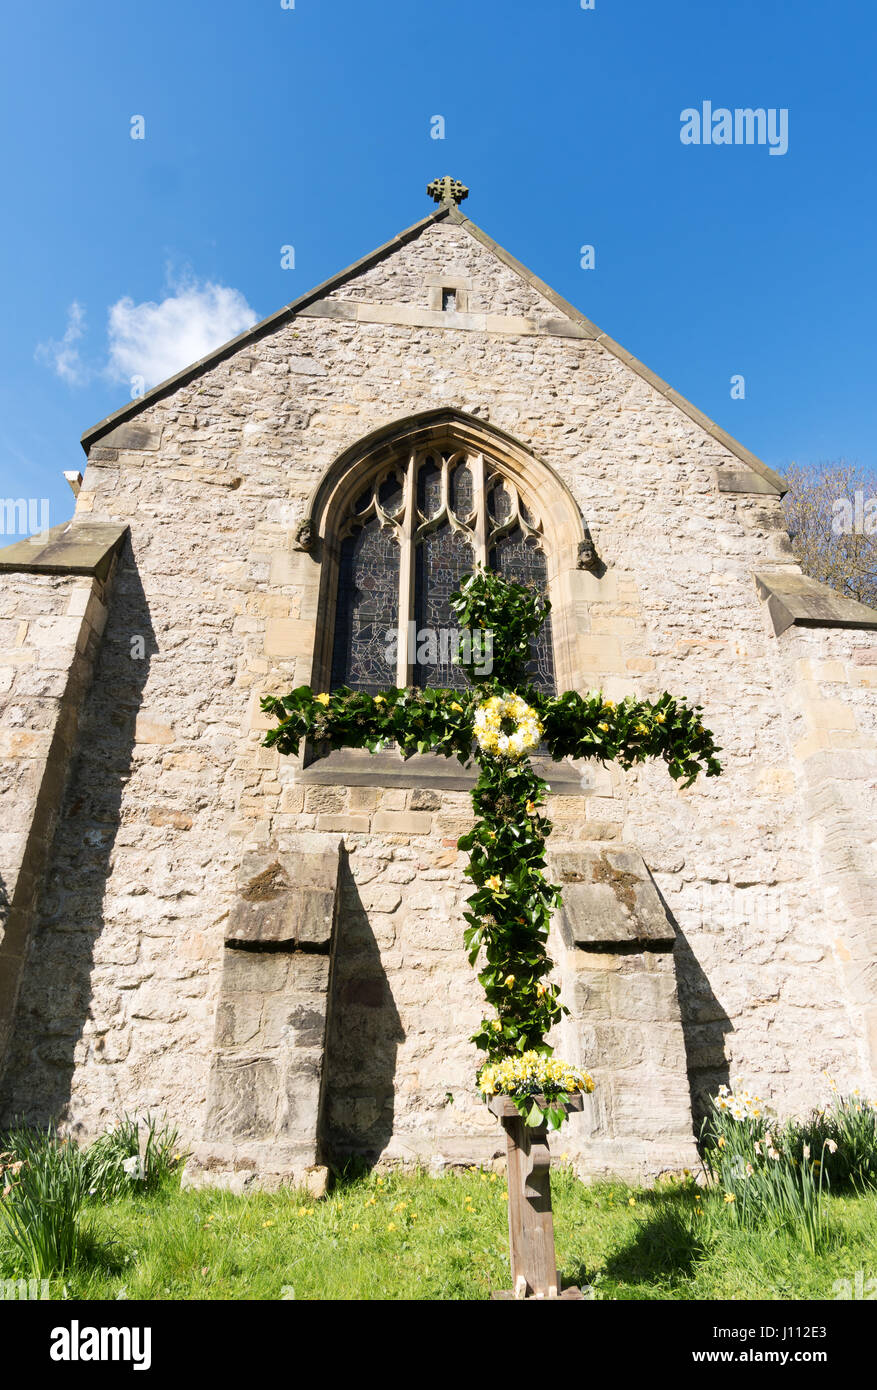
(704,1025)
(363,1038)
(57,995)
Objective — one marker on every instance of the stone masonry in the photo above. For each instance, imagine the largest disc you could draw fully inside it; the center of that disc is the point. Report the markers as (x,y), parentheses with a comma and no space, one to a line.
(733,925)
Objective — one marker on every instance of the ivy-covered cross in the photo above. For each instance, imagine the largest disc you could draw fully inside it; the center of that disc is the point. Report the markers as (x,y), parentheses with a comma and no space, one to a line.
(500,723)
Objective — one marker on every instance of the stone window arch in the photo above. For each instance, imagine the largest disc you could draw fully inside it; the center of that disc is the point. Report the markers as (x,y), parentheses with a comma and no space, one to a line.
(422,521)
(392,527)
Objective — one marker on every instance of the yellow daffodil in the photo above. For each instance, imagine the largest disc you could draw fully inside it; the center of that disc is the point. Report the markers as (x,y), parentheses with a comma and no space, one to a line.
(322,699)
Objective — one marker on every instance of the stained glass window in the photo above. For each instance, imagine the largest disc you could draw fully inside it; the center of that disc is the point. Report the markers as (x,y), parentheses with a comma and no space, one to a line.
(368,608)
(521,558)
(413,532)
(442,558)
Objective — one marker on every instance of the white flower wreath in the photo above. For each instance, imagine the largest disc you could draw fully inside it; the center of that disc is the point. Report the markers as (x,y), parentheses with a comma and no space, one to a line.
(505,710)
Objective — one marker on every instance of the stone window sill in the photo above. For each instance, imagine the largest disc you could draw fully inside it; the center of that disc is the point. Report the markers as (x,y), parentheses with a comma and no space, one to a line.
(356,767)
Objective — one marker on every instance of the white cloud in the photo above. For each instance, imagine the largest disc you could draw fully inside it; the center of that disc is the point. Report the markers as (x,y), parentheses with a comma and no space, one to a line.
(63,355)
(153,341)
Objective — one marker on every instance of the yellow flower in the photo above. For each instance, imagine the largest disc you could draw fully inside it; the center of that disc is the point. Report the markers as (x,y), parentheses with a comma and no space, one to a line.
(267,1223)
(494,883)
(729,1198)
(721,1141)
(457,707)
(609,704)
(496,1026)
(322,699)
(531,808)
(660,719)
(355,1226)
(509,981)
(604,727)
(379,699)
(641,729)
(631,1201)
(391,1225)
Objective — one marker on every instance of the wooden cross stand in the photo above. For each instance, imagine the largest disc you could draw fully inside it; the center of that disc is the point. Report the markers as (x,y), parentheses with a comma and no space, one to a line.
(531,1224)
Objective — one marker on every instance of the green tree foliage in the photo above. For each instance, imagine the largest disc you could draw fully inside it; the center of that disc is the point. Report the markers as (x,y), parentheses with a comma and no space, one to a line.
(831,513)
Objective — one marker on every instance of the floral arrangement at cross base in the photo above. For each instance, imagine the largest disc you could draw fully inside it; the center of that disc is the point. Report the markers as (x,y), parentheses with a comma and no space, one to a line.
(543,1085)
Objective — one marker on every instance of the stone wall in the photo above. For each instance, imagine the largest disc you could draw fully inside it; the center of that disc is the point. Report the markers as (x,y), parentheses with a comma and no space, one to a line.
(50,630)
(172,786)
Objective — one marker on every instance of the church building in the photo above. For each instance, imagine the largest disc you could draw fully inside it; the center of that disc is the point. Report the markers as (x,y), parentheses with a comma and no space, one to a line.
(268,950)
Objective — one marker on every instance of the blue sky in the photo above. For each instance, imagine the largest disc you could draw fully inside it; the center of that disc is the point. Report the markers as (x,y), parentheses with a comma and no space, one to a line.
(310,127)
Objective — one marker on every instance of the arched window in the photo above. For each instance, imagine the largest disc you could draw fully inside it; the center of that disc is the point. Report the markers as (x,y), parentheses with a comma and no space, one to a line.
(419,522)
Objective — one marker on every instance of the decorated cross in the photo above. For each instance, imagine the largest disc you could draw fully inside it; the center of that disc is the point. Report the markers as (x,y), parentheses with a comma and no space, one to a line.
(500,723)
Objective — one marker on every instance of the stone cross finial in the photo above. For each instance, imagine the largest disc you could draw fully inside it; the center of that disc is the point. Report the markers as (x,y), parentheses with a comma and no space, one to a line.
(447,190)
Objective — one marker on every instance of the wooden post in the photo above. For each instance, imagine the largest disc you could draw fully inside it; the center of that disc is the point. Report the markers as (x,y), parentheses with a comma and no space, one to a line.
(531,1223)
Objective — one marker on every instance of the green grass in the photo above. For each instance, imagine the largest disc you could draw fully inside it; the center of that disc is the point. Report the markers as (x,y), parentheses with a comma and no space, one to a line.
(417,1237)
